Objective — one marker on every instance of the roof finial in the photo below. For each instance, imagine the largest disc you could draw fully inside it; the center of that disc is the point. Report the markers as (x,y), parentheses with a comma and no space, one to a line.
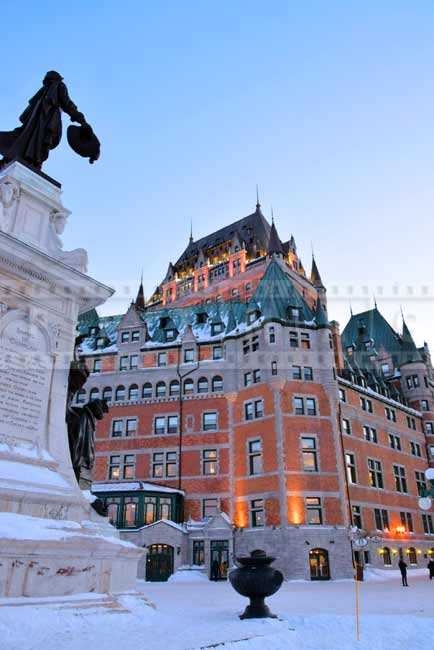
(351,308)
(272,215)
(191,231)
(258,205)
(311,248)
(375,301)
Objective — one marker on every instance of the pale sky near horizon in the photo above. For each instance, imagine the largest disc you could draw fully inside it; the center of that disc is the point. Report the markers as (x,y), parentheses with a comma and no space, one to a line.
(328,106)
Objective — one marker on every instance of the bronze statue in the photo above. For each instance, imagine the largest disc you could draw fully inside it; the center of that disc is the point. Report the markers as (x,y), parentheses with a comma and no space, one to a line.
(81,433)
(41,129)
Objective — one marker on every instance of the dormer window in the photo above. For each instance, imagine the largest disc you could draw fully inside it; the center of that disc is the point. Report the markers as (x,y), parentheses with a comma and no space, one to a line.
(125,337)
(92,331)
(201,317)
(100,342)
(216,328)
(350,350)
(294,313)
(170,335)
(252,317)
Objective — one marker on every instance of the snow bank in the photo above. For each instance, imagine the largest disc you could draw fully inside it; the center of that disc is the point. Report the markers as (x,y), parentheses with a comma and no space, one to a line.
(188,575)
(382,575)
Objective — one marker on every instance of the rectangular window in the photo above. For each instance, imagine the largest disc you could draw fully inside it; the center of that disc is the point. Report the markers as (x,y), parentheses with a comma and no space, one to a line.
(172,424)
(395,441)
(342,395)
(97,365)
(366,405)
(314,511)
(427,523)
(308,373)
(400,478)
(257,513)
(159,425)
(296,372)
(299,406)
(305,341)
(248,379)
(134,361)
(420,482)
(198,552)
(274,368)
(135,336)
(351,468)
(162,359)
(255,343)
(381,519)
(158,465)
(256,376)
(129,462)
(117,428)
(424,405)
(415,449)
(189,356)
(346,426)
(131,427)
(171,464)
(390,414)
(217,352)
(370,434)
(271,334)
(357,516)
(170,335)
(123,363)
(375,473)
(259,408)
(294,313)
(293,339)
(115,467)
(246,346)
(310,406)
(209,507)
(130,511)
(309,454)
(209,462)
(407,521)
(248,411)
(429,428)
(255,457)
(209,421)
(125,337)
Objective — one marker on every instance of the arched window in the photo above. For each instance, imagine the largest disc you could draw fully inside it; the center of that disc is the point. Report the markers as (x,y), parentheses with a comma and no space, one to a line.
(120,393)
(319,564)
(94,393)
(412,555)
(107,393)
(81,397)
(217,383)
(174,388)
(160,389)
(387,558)
(188,387)
(202,385)
(133,393)
(147,390)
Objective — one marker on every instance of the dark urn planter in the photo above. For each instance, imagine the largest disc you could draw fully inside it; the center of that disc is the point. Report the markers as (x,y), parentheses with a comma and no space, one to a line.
(256,580)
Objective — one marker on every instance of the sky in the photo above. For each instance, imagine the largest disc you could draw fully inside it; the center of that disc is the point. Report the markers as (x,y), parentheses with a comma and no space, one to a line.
(327,105)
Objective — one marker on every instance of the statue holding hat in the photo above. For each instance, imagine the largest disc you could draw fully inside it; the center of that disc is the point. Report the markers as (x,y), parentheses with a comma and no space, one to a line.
(41,127)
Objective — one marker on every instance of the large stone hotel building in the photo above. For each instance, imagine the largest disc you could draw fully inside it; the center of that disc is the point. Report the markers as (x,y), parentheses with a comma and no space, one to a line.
(240,418)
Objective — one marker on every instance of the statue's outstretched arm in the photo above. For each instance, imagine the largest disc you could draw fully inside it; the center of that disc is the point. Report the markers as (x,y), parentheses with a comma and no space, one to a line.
(68,106)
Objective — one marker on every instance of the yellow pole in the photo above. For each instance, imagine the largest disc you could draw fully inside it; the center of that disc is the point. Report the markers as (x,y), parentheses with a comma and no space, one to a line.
(357,605)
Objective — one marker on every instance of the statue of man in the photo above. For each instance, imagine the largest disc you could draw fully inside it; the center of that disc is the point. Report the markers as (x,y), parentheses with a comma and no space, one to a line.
(41,128)
(81,433)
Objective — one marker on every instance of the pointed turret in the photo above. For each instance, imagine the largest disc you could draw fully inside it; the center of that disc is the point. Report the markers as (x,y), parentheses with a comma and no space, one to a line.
(140,299)
(274,243)
(411,353)
(315,277)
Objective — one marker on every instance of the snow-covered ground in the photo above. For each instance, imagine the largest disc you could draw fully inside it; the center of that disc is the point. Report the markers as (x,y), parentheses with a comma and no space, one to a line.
(190,615)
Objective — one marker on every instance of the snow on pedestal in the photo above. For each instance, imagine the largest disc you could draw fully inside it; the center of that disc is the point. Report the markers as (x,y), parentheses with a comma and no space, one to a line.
(51,540)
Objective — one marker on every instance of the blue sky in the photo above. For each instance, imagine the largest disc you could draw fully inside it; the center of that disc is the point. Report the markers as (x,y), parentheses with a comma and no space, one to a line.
(328,106)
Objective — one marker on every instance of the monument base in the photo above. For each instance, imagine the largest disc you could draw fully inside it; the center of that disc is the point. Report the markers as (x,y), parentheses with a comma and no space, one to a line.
(52,543)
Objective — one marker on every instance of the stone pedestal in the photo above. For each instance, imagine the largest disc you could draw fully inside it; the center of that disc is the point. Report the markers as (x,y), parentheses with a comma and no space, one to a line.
(51,542)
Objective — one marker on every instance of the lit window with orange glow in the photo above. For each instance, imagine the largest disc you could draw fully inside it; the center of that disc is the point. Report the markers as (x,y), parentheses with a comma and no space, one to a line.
(209,462)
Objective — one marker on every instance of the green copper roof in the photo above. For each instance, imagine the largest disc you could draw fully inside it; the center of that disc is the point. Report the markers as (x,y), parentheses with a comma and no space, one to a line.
(410,351)
(275,293)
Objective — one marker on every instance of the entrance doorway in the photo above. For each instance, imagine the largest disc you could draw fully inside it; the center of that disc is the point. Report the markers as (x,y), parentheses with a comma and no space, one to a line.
(219,559)
(159,562)
(319,564)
